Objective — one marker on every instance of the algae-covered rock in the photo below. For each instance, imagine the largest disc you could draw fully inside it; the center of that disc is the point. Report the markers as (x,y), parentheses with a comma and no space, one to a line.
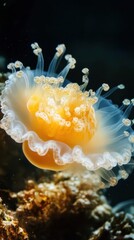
(119,227)
(9,225)
(63,208)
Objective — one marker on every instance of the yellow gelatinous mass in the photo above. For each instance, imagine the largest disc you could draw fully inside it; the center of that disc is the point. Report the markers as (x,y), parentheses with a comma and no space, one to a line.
(62,114)
(44,162)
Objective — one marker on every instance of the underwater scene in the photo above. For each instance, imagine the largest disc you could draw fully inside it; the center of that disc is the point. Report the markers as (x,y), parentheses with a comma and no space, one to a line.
(66,120)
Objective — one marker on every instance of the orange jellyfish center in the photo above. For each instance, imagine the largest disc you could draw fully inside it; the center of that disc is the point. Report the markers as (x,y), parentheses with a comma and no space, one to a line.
(63,114)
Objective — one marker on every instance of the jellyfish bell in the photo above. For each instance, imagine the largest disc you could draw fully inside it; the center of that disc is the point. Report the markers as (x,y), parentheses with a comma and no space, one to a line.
(61,124)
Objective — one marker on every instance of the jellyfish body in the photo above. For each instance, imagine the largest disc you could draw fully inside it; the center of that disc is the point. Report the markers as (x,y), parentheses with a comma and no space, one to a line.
(61,124)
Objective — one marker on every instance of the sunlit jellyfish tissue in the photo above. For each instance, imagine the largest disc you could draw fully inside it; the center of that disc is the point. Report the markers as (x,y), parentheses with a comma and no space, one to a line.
(62,125)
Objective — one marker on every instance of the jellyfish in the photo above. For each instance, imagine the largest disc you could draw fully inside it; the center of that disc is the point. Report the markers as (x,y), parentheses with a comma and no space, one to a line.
(62,125)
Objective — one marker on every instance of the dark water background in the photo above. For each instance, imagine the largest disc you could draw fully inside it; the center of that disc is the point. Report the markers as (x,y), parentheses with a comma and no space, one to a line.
(99,34)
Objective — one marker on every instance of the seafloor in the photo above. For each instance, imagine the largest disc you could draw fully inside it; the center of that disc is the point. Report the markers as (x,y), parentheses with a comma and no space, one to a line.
(43,205)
